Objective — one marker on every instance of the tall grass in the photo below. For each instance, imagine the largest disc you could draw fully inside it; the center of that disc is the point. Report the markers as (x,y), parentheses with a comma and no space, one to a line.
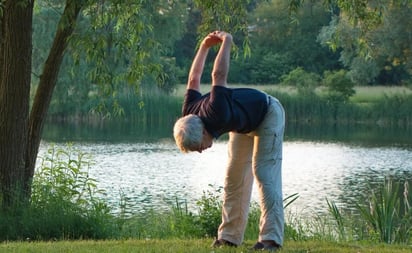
(386,217)
(155,108)
(63,204)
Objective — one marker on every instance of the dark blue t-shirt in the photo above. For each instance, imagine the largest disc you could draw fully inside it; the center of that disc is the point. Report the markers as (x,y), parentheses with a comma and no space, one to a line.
(223,109)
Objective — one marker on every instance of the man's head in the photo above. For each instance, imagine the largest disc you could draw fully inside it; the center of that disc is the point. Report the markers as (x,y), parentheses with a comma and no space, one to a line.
(190,134)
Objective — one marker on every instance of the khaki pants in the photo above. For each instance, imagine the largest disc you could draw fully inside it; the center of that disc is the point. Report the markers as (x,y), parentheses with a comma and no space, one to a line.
(256,155)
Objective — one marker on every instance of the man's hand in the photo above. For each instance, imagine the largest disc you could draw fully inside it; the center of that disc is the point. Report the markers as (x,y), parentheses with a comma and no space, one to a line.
(215,38)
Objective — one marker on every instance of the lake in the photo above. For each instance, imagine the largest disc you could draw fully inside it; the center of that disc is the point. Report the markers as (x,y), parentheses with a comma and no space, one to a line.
(342,164)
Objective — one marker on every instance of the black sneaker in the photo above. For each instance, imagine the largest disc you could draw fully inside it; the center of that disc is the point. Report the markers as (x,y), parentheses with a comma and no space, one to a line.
(218,243)
(262,247)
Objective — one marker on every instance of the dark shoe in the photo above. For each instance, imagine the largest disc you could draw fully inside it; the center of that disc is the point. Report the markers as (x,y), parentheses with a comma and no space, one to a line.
(266,247)
(218,243)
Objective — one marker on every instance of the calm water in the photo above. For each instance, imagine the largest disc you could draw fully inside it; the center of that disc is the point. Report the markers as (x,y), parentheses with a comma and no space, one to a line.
(341,165)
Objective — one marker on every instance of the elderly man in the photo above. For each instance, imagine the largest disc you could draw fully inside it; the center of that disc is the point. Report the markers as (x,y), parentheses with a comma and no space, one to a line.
(255,122)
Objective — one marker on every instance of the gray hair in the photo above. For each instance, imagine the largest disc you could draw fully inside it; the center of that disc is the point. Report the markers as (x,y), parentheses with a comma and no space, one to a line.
(188,133)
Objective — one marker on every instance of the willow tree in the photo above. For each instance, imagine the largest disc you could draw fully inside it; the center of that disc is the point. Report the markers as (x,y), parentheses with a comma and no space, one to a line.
(128,27)
(374,52)
(21,123)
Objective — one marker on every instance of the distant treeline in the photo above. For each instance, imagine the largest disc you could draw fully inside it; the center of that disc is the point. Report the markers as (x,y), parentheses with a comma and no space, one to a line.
(316,40)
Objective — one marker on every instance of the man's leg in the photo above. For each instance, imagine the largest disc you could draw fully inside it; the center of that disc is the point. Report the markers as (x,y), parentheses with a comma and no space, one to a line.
(237,188)
(267,169)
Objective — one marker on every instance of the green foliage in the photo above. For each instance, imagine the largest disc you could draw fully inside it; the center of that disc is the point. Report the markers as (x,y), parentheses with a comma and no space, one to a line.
(262,67)
(385,215)
(397,109)
(339,87)
(229,16)
(114,48)
(64,177)
(337,216)
(65,202)
(374,39)
(115,45)
(282,42)
(304,81)
(210,211)
(176,222)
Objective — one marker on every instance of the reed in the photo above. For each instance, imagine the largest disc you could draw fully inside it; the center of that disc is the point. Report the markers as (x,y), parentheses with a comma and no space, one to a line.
(337,216)
(387,216)
(155,107)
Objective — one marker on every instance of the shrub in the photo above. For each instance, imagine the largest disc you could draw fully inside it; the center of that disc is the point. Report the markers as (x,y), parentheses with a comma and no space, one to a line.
(64,202)
(339,86)
(304,81)
(210,211)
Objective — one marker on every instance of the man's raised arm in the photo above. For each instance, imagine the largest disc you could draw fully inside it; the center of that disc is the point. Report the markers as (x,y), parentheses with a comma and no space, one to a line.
(221,64)
(198,64)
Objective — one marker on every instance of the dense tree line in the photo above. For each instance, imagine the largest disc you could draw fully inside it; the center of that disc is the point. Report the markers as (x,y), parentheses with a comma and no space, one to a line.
(317,38)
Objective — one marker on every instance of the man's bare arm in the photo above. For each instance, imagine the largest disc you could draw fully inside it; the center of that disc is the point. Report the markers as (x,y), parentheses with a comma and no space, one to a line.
(198,64)
(222,61)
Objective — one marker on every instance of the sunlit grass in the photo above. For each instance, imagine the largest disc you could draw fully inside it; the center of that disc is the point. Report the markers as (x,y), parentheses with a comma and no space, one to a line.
(180,89)
(382,105)
(190,245)
(363,93)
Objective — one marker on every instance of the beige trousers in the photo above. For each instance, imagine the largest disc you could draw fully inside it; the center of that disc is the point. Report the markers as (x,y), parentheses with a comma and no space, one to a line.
(255,156)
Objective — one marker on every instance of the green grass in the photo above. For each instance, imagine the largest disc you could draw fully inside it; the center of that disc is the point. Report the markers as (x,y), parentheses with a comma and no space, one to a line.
(363,93)
(198,246)
(373,93)
(180,89)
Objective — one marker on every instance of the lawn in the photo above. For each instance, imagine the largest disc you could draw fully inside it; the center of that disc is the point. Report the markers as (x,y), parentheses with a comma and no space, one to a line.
(198,246)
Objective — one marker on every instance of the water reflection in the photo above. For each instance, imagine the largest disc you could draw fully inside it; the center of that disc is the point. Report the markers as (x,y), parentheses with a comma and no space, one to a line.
(343,173)
(117,132)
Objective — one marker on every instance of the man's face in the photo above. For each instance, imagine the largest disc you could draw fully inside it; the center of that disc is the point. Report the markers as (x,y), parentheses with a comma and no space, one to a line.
(207,142)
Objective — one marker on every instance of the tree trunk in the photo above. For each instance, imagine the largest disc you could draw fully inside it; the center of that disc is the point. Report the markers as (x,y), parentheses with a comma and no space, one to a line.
(15,75)
(20,134)
(47,82)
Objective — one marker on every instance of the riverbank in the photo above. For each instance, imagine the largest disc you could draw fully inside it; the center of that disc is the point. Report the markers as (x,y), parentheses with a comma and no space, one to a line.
(198,246)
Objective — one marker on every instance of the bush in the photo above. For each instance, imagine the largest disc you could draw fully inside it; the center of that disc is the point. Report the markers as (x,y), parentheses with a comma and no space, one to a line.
(339,86)
(304,81)
(210,211)
(64,203)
